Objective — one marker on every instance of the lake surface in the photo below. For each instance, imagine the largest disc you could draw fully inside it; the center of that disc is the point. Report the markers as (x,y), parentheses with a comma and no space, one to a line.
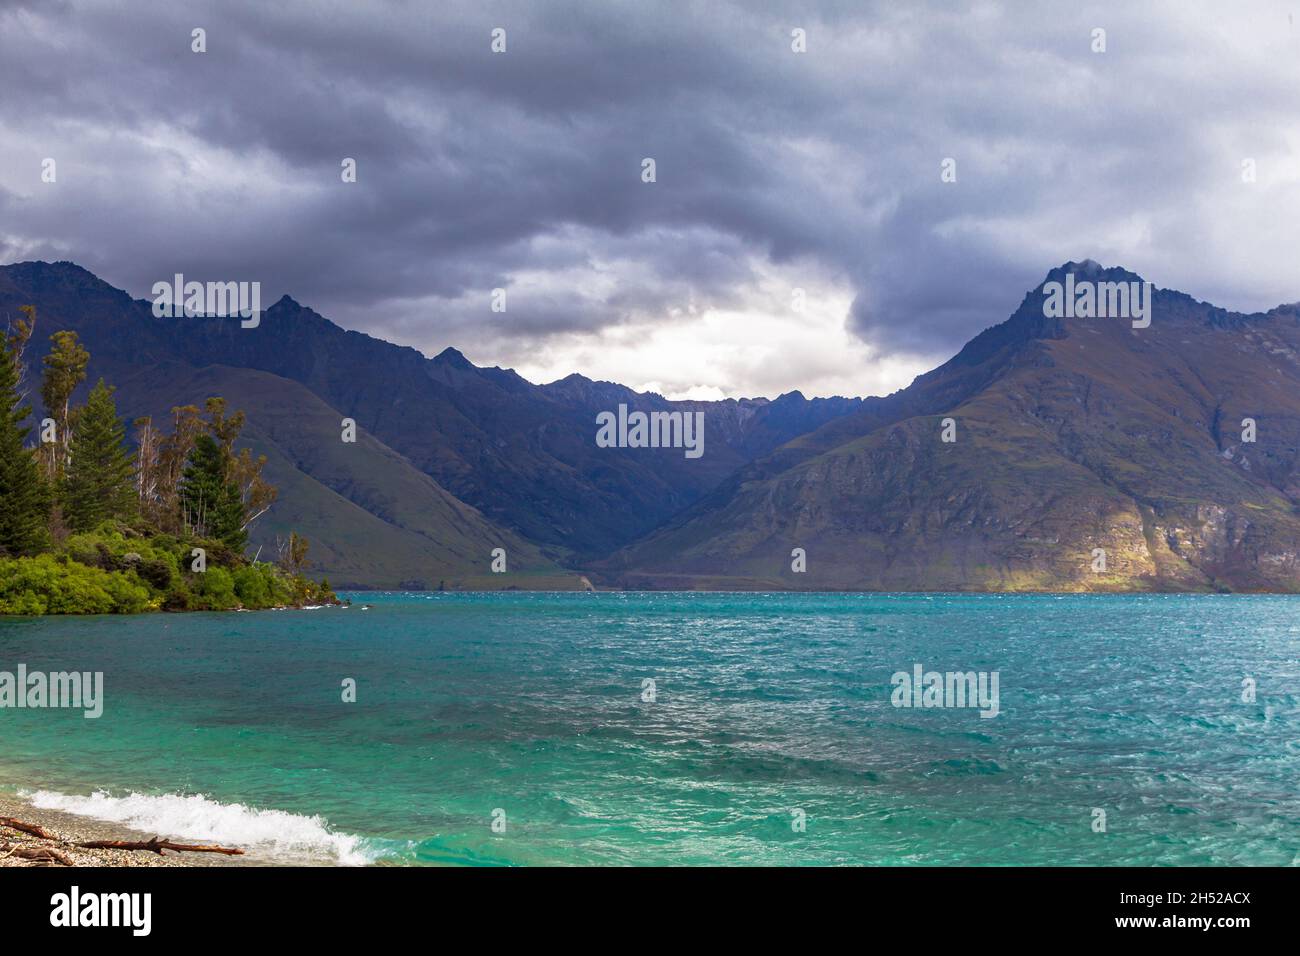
(767,709)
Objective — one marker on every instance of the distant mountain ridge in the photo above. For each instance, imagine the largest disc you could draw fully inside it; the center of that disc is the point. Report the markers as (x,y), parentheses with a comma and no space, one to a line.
(1071,435)
(521,455)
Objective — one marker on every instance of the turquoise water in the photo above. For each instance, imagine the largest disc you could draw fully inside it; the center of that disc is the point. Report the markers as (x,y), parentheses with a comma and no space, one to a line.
(232,726)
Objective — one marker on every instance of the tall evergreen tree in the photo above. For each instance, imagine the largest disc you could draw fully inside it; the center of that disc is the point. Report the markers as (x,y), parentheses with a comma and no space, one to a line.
(100,477)
(65,369)
(210,500)
(24,495)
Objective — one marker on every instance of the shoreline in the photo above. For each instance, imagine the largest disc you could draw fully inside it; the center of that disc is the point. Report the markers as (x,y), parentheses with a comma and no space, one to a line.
(358,596)
(71,828)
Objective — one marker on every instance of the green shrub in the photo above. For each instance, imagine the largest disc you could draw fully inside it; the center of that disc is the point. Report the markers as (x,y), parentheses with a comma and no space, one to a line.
(253,586)
(130,594)
(159,573)
(214,590)
(114,569)
(48,585)
(178,598)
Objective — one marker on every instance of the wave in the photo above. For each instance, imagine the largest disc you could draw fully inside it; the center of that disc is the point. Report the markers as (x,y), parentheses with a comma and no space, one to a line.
(195,817)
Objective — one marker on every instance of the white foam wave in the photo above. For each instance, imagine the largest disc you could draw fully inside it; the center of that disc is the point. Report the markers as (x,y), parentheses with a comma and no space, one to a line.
(195,817)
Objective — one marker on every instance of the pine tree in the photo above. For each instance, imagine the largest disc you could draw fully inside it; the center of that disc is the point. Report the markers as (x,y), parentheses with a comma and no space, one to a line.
(100,477)
(24,495)
(210,501)
(221,492)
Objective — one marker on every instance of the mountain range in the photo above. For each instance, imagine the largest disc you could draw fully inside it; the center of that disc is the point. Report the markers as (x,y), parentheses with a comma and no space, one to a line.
(1048,454)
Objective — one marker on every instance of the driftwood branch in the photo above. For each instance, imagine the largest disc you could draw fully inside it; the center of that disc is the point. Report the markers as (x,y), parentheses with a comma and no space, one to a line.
(157,846)
(32,828)
(51,854)
(39,854)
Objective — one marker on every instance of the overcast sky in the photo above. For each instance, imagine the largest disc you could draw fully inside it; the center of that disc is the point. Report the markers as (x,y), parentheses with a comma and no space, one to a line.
(775,170)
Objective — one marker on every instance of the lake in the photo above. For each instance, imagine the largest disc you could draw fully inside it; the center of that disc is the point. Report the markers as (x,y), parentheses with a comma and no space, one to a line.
(671,728)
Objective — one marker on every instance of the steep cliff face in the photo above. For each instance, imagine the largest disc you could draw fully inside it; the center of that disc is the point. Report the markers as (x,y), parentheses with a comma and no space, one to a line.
(1071,435)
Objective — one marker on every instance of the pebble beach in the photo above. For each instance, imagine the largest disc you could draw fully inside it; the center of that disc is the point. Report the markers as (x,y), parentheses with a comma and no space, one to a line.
(70,829)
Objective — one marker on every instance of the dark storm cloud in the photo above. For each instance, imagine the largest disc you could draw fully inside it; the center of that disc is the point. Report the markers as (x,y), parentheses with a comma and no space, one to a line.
(521,171)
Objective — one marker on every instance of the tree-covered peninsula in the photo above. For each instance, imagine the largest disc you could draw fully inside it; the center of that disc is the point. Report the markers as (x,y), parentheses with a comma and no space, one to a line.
(91,525)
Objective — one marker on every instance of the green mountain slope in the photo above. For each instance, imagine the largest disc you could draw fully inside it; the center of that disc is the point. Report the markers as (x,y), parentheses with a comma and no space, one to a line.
(372,519)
